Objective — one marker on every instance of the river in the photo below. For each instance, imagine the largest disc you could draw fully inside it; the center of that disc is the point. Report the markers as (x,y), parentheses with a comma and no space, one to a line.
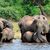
(18,45)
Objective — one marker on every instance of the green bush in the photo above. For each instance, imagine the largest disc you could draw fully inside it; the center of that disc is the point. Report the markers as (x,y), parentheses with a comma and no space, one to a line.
(16,9)
(47,9)
(35,10)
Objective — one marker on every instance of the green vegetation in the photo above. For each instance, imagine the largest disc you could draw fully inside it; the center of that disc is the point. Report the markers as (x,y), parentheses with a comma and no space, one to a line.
(16,9)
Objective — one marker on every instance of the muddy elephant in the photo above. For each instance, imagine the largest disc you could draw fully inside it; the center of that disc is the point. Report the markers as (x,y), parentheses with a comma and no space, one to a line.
(34,24)
(6,23)
(7,35)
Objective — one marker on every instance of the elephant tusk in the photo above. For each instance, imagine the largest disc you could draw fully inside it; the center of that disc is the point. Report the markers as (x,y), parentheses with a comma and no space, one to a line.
(35,33)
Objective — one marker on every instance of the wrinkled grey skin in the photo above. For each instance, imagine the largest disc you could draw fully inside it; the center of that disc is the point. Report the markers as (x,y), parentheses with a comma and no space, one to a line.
(39,25)
(7,35)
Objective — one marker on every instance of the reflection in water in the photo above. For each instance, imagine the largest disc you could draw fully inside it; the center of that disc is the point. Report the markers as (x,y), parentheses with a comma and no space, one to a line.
(18,45)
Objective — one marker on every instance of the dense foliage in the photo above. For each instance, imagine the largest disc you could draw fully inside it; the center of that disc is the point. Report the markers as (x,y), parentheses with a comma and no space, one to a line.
(16,9)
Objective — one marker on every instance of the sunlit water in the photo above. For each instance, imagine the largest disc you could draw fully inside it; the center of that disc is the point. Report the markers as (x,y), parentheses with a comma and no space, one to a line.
(18,45)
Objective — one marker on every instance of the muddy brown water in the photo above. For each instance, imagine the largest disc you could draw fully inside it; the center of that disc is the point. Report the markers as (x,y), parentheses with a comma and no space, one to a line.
(18,45)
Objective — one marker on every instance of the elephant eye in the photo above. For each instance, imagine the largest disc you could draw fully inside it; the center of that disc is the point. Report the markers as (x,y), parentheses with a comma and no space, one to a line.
(44,18)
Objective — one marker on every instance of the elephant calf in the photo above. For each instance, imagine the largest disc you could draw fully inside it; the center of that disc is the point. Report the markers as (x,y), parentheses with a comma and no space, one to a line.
(7,35)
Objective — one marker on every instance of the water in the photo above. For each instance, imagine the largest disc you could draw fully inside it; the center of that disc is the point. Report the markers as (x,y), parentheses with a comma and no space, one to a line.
(18,45)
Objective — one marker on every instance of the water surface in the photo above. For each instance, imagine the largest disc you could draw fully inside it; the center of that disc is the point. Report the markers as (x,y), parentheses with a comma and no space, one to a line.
(18,45)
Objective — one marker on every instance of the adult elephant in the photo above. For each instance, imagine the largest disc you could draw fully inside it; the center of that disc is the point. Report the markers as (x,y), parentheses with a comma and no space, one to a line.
(34,24)
(25,25)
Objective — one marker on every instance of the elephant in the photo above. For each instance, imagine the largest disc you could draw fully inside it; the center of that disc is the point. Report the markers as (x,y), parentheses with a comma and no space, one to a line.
(25,24)
(37,24)
(6,23)
(7,35)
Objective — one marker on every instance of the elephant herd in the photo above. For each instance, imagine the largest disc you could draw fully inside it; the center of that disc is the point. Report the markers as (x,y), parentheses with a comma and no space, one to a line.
(6,30)
(34,29)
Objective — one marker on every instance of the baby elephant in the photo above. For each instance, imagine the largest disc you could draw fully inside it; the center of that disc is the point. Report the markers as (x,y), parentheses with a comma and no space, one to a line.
(7,35)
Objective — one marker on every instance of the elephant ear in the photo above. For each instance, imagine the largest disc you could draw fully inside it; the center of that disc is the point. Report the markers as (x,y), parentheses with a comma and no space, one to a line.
(35,21)
(4,23)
